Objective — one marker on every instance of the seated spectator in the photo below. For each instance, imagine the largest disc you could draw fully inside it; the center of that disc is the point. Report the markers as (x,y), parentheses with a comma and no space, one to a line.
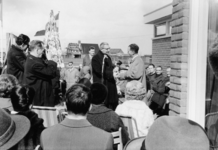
(21,99)
(7,83)
(12,129)
(70,74)
(103,117)
(86,82)
(75,132)
(135,107)
(177,133)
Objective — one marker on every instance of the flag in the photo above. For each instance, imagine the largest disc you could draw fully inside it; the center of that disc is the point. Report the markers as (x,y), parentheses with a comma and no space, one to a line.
(40,33)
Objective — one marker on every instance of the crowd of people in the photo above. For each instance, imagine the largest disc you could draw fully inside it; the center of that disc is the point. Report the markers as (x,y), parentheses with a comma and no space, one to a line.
(95,95)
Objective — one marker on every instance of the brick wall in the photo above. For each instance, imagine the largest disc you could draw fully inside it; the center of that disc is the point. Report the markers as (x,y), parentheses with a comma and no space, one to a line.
(179,57)
(161,52)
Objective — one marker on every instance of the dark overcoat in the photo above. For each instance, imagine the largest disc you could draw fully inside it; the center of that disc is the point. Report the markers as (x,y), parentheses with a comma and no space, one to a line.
(39,75)
(15,62)
(108,79)
(159,90)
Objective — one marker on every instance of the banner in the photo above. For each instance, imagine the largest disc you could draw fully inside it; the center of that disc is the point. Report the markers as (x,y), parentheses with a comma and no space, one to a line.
(52,41)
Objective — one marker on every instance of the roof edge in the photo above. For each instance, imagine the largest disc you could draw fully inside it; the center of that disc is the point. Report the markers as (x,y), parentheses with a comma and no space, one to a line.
(157,9)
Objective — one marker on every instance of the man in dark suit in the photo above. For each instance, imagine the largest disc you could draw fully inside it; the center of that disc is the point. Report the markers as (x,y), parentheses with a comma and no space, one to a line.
(102,70)
(75,132)
(88,57)
(39,73)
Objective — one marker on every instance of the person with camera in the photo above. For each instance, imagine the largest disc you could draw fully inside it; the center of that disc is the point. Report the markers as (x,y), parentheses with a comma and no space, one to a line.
(39,73)
(16,57)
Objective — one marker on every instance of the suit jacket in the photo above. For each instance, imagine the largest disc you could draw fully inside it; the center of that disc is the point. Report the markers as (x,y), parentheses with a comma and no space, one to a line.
(108,79)
(136,71)
(39,75)
(15,62)
(87,60)
(75,135)
(159,90)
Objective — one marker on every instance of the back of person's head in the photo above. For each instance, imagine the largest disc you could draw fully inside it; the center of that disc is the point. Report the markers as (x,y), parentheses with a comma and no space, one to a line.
(134,47)
(86,82)
(176,133)
(22,39)
(22,98)
(78,99)
(36,44)
(7,83)
(135,91)
(99,93)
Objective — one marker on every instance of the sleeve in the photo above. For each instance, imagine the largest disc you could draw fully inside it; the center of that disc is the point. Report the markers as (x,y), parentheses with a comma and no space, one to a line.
(96,67)
(45,71)
(19,61)
(84,62)
(134,72)
(159,87)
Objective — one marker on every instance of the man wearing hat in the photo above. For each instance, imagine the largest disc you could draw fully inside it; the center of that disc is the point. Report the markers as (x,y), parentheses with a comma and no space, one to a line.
(39,74)
(13,128)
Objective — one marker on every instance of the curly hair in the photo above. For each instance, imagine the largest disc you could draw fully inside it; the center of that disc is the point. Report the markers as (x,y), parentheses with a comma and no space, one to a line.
(22,97)
(135,91)
(7,83)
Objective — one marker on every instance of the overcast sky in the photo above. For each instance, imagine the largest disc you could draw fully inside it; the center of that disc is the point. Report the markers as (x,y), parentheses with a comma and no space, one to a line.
(118,22)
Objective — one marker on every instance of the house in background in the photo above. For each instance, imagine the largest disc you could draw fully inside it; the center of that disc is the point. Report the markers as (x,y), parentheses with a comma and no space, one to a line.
(161,41)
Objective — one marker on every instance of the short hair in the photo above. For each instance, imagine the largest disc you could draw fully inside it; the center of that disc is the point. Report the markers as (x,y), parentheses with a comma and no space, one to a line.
(22,98)
(134,47)
(86,82)
(35,43)
(99,93)
(7,83)
(78,99)
(159,67)
(22,39)
(102,45)
(135,91)
(151,65)
(91,47)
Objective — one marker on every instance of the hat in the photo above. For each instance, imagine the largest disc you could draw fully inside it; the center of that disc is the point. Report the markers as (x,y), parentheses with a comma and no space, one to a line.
(171,132)
(135,91)
(99,93)
(213,60)
(12,129)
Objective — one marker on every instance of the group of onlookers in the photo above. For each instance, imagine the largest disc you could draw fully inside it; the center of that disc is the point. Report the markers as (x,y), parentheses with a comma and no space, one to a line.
(91,98)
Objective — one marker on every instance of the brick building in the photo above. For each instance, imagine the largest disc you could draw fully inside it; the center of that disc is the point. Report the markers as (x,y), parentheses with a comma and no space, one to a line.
(191,26)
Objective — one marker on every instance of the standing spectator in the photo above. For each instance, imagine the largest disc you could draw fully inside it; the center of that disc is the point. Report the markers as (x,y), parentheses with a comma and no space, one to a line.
(103,117)
(75,132)
(150,81)
(135,107)
(16,57)
(70,74)
(102,68)
(21,99)
(7,83)
(158,99)
(136,69)
(39,74)
(88,57)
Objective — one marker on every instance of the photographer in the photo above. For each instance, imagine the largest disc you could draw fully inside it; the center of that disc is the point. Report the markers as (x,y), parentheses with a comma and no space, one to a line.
(39,73)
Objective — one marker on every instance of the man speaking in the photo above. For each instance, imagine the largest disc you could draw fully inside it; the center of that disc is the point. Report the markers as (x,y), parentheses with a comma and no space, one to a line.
(102,68)
(39,73)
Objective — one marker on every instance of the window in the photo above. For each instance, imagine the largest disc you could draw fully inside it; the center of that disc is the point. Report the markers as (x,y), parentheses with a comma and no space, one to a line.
(162,29)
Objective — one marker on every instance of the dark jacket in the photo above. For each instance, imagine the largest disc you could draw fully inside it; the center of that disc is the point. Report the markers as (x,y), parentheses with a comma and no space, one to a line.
(15,62)
(150,80)
(39,75)
(75,135)
(106,119)
(32,139)
(108,79)
(159,90)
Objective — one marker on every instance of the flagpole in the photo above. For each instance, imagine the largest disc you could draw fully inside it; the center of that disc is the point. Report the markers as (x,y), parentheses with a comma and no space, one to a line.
(2,32)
